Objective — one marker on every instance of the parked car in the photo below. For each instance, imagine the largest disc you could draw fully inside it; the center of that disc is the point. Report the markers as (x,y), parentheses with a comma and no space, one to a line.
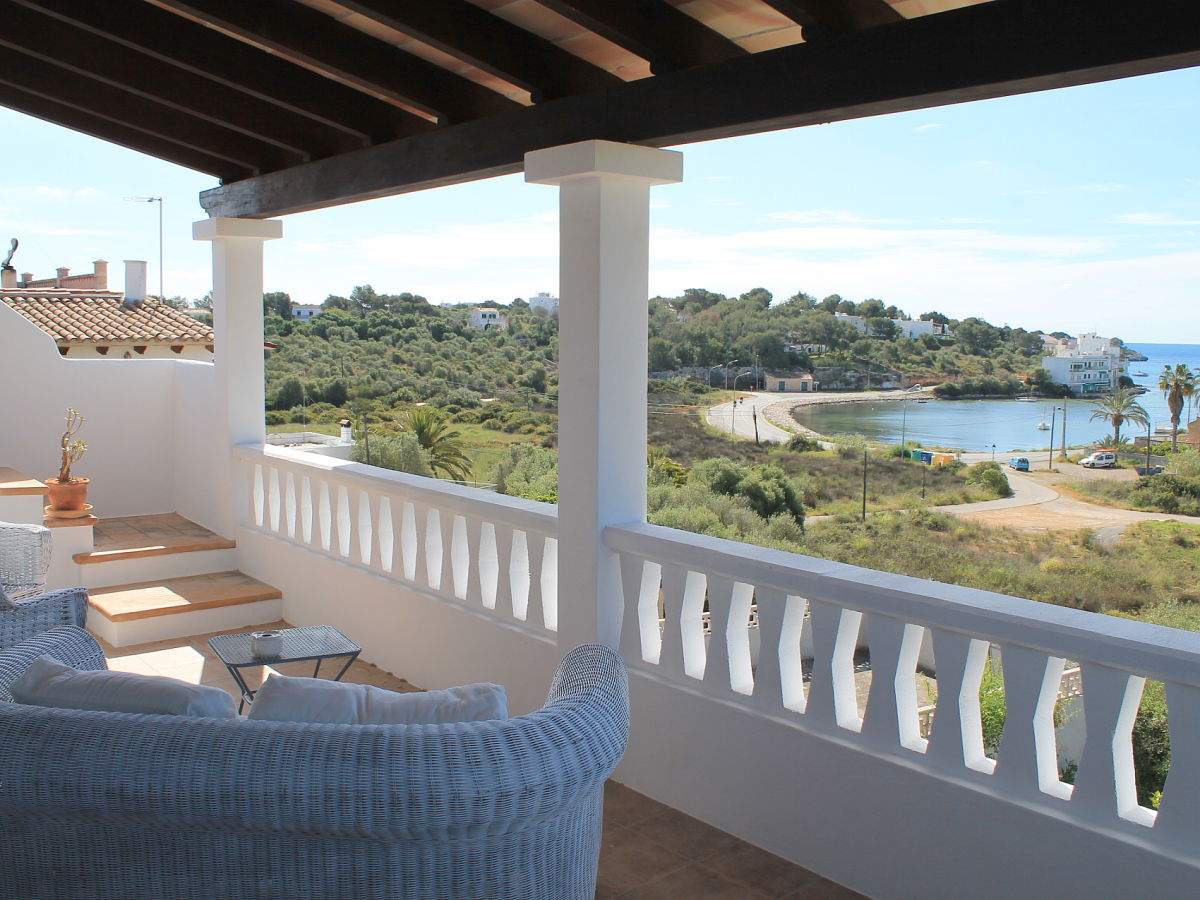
(1101,459)
(1020,463)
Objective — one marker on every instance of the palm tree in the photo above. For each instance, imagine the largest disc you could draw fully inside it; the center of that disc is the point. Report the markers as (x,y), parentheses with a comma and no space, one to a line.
(1178,384)
(447,451)
(1119,407)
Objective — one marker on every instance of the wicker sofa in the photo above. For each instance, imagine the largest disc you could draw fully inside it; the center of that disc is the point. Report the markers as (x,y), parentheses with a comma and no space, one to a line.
(118,805)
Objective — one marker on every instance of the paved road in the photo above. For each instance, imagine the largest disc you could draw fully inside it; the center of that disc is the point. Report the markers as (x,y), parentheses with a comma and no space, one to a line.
(738,417)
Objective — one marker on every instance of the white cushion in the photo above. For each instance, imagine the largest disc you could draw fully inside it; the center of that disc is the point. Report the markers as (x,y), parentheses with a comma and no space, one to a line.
(284,699)
(50,683)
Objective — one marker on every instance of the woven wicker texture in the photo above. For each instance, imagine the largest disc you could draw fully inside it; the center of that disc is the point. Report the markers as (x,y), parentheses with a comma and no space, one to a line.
(24,559)
(168,806)
(68,644)
(33,615)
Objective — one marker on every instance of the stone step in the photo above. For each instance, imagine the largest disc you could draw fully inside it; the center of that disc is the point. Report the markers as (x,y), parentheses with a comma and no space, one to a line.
(143,611)
(137,537)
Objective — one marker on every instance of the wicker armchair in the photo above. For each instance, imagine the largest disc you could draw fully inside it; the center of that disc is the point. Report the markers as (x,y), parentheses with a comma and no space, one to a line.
(24,559)
(22,619)
(97,804)
(69,645)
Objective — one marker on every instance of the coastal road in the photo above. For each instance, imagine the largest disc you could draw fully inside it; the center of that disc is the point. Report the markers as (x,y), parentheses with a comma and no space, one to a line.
(738,417)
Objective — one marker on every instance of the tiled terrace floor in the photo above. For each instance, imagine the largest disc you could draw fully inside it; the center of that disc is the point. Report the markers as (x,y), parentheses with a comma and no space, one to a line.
(650,851)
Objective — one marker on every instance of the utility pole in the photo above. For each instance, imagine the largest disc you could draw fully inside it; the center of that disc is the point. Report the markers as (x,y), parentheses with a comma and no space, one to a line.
(1050,455)
(904,423)
(1063,455)
(924,472)
(754,416)
(732,415)
(1147,446)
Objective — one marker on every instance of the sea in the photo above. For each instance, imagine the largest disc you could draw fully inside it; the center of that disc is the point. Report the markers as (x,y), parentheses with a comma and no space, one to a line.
(1001,425)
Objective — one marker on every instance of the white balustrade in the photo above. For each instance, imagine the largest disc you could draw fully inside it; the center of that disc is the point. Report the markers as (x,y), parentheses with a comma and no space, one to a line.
(819,623)
(487,552)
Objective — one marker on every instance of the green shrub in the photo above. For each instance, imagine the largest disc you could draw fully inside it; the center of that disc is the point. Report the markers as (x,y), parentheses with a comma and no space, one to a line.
(801,444)
(399,452)
(528,471)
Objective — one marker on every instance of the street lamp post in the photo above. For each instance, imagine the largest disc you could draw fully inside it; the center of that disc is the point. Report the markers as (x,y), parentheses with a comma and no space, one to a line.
(904,423)
(727,365)
(159,201)
(993,452)
(1063,454)
(1050,454)
(1147,446)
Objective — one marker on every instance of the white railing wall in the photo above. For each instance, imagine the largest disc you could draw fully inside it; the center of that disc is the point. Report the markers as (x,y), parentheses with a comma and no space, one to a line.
(676,576)
(743,694)
(492,553)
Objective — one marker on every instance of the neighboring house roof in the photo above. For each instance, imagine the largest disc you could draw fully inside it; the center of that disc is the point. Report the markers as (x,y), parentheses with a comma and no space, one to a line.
(98,317)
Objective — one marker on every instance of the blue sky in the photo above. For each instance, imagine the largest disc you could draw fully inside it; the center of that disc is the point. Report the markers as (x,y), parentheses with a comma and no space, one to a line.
(1076,210)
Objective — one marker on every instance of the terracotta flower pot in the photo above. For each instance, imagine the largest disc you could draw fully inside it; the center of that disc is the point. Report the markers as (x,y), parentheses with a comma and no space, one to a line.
(71,495)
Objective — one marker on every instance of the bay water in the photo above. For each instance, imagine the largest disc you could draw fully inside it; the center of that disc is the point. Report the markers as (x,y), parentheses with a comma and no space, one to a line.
(1009,425)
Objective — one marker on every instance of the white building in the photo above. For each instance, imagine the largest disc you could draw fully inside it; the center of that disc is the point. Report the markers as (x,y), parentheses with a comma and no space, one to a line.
(486,318)
(543,301)
(1088,364)
(306,311)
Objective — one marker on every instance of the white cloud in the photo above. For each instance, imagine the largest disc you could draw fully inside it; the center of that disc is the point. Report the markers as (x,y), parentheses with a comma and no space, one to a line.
(1151,219)
(932,126)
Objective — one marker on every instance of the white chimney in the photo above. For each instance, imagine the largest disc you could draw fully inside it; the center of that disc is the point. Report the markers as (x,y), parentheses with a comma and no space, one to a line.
(347,433)
(8,278)
(135,283)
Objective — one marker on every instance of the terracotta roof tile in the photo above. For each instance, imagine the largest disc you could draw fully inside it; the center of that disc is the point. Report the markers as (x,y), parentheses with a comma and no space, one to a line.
(97,317)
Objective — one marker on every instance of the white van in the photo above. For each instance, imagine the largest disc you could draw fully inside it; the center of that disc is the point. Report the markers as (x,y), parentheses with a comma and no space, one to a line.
(1101,459)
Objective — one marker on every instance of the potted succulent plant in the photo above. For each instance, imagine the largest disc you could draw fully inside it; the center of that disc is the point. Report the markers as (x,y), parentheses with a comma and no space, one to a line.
(68,493)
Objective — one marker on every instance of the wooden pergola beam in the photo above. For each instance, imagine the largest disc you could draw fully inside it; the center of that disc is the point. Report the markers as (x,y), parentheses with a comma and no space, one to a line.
(319,42)
(229,62)
(657,32)
(829,18)
(148,78)
(991,50)
(468,33)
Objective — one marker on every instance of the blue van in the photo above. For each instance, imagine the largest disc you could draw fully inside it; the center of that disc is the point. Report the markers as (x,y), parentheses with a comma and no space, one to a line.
(1020,463)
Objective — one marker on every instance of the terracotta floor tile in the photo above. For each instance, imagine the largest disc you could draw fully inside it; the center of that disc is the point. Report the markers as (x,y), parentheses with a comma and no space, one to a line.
(694,883)
(759,870)
(626,806)
(681,833)
(628,861)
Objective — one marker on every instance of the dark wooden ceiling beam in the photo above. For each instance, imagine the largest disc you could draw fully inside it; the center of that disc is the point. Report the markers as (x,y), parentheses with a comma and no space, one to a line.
(142,76)
(107,130)
(319,42)
(654,30)
(990,50)
(34,74)
(473,35)
(229,62)
(830,18)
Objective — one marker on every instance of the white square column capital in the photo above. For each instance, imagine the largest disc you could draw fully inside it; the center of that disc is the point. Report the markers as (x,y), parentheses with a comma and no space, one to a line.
(603,159)
(222,227)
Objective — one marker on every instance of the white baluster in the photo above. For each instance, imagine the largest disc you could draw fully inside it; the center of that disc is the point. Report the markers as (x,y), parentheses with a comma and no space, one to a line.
(1104,785)
(957,738)
(306,510)
(1179,812)
(429,530)
(768,678)
(516,587)
(637,641)
(273,499)
(387,535)
(1027,761)
(365,527)
(831,695)
(289,505)
(791,656)
(459,556)
(550,584)
(257,496)
(412,544)
(325,515)
(342,521)
(891,716)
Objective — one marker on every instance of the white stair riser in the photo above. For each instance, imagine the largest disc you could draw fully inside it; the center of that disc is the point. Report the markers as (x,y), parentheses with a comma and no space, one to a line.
(154,568)
(184,624)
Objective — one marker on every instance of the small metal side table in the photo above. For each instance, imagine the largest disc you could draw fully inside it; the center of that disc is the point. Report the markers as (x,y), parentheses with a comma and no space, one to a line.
(306,643)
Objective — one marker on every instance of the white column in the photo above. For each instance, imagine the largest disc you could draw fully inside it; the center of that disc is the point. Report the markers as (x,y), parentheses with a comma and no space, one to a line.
(604,228)
(237,247)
